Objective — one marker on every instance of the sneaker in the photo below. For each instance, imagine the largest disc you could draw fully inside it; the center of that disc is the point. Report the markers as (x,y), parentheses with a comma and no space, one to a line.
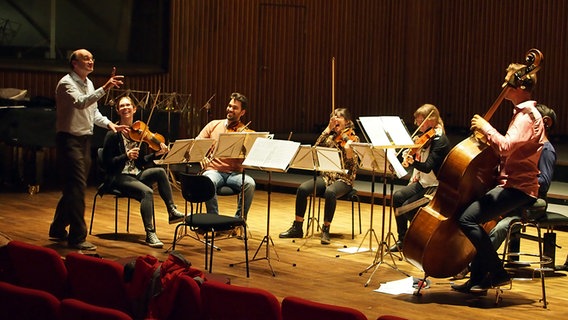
(153,241)
(85,245)
(325,237)
(295,231)
(174,216)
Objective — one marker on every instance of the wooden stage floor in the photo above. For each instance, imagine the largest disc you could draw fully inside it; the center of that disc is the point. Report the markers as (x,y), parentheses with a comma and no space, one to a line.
(316,272)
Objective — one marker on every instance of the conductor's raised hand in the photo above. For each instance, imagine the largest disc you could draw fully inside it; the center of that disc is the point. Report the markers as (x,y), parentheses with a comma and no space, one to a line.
(115,81)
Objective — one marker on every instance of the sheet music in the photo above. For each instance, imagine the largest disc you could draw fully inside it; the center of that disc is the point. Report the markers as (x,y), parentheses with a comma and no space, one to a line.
(372,158)
(304,158)
(176,153)
(236,144)
(199,149)
(186,150)
(271,155)
(387,131)
(318,158)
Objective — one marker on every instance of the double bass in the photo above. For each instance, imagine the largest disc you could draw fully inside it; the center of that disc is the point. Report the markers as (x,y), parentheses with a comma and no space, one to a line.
(434,241)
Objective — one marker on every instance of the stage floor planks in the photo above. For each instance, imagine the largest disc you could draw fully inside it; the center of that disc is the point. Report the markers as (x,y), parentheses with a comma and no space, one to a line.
(316,272)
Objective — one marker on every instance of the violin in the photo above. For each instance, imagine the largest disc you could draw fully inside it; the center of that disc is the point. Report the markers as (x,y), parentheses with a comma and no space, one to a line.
(422,142)
(140,132)
(347,134)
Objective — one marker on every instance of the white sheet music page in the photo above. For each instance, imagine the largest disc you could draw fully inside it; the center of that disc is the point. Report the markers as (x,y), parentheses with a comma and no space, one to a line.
(329,159)
(269,154)
(386,131)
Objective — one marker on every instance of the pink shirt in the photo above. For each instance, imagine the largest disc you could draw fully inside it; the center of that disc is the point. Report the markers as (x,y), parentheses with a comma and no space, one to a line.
(212,130)
(519,149)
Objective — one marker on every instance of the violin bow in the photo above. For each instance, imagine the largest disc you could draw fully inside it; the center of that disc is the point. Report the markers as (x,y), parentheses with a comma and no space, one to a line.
(332,85)
(149,117)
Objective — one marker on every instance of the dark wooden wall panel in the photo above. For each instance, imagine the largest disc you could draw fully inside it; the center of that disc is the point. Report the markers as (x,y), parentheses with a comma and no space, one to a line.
(391,56)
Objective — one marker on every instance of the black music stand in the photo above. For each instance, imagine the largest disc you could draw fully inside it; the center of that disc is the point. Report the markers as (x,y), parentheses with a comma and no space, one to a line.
(316,159)
(386,135)
(270,156)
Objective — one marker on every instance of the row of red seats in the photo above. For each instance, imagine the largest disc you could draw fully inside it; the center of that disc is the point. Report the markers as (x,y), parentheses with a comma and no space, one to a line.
(91,284)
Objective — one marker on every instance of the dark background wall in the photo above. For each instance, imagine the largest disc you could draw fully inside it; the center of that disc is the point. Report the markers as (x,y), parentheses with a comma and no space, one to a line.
(390,57)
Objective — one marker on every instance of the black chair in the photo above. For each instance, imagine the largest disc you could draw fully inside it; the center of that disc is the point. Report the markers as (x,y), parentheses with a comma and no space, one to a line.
(350,196)
(197,189)
(105,189)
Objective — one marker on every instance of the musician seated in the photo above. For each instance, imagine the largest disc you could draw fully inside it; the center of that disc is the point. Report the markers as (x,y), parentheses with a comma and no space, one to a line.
(331,185)
(130,170)
(546,163)
(229,172)
(426,162)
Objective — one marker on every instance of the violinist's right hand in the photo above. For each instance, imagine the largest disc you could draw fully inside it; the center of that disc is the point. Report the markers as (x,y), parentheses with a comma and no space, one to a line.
(132,154)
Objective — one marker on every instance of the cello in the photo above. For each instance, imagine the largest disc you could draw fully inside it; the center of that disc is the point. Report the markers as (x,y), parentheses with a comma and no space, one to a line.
(434,241)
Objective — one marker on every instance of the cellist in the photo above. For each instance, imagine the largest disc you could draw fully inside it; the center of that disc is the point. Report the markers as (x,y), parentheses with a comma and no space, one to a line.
(517,185)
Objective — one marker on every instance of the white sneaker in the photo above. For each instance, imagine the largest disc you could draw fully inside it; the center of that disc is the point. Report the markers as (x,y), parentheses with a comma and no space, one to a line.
(153,241)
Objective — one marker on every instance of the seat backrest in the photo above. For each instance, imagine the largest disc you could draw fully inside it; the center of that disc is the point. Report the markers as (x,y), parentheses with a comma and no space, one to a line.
(224,301)
(196,188)
(294,308)
(188,300)
(72,309)
(37,267)
(97,281)
(20,303)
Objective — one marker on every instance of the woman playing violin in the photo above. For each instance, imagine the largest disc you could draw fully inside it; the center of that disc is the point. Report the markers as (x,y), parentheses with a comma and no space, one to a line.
(130,169)
(339,133)
(426,161)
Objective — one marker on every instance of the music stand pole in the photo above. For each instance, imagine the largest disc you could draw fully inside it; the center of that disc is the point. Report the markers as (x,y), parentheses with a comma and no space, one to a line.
(379,256)
(266,239)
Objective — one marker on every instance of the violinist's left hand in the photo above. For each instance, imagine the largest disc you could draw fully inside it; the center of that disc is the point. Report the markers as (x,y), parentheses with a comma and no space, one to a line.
(163,149)
(478,122)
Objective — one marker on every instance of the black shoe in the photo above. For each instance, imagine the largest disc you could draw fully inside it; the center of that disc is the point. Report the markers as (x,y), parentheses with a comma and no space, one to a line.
(295,231)
(325,237)
(562,267)
(397,247)
(85,245)
(174,216)
(58,235)
(500,279)
(467,287)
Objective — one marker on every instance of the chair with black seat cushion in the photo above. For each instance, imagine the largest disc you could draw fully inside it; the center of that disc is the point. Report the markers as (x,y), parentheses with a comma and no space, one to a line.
(37,267)
(295,308)
(197,189)
(225,301)
(352,196)
(105,189)
(20,303)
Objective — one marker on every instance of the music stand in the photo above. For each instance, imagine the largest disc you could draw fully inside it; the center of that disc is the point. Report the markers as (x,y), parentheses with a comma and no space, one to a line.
(186,151)
(270,155)
(316,159)
(386,134)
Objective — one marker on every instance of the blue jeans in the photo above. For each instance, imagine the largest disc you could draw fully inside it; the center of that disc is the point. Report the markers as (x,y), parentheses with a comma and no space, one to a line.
(234,180)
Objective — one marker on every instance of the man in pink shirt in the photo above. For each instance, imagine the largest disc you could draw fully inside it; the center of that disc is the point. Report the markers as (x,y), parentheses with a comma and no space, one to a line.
(517,183)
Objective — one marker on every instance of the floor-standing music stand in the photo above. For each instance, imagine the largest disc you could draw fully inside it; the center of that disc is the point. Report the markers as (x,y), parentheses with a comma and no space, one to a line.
(316,159)
(186,151)
(271,156)
(386,135)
